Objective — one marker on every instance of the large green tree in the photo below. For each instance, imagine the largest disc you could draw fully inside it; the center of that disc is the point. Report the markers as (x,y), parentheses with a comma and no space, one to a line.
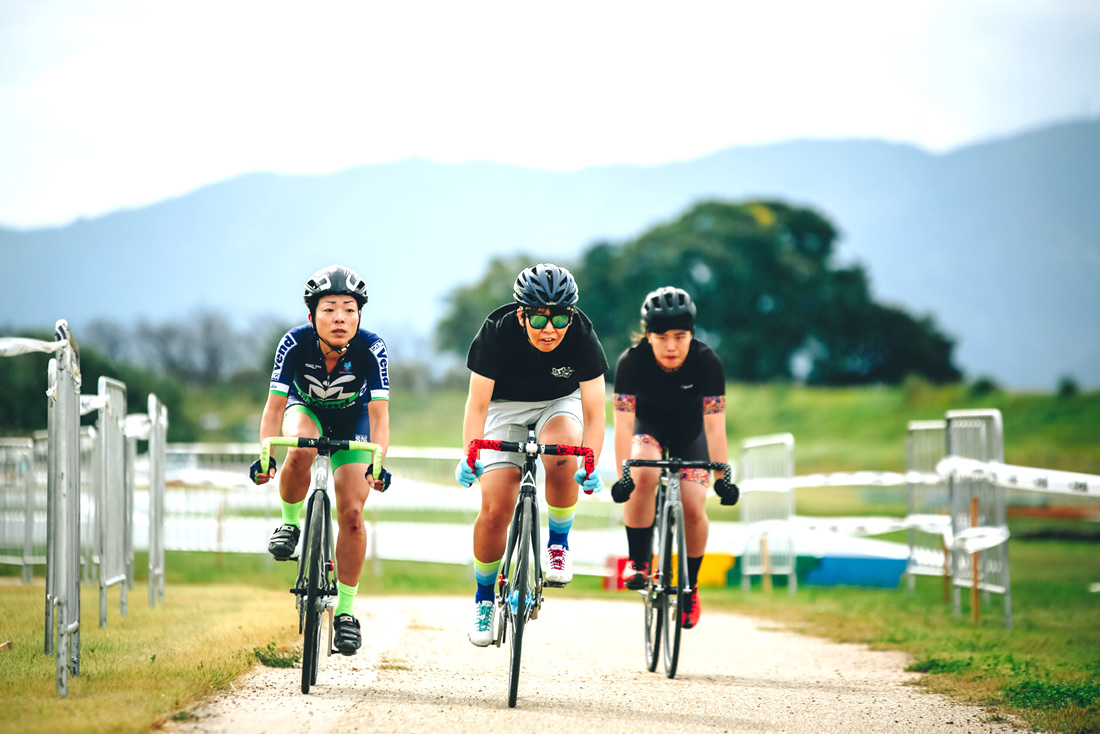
(771,301)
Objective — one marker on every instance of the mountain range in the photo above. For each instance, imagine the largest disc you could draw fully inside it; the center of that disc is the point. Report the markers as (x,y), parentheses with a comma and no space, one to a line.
(999,241)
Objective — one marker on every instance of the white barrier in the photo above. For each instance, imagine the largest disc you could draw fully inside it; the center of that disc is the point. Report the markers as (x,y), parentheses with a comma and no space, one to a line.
(1010,476)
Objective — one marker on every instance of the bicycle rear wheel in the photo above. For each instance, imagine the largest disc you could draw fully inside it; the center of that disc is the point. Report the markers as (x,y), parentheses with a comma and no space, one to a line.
(675,589)
(520,597)
(315,577)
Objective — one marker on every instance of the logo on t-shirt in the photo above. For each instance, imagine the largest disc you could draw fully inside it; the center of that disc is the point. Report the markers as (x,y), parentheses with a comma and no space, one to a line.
(563,372)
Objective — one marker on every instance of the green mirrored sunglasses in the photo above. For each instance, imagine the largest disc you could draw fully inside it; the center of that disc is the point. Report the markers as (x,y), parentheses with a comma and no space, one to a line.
(559,320)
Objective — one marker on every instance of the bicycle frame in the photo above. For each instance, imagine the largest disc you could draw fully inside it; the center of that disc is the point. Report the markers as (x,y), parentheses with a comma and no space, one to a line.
(519,595)
(315,586)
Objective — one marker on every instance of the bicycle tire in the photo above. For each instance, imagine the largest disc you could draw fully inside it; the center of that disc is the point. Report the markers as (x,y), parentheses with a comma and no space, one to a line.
(652,598)
(672,602)
(519,591)
(311,647)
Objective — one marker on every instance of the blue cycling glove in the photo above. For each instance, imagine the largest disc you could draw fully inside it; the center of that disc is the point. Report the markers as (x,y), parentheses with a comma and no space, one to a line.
(466,476)
(382,483)
(591,485)
(255,468)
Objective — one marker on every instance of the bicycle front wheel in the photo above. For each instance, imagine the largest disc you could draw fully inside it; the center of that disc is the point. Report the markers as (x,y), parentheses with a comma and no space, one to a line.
(652,601)
(315,577)
(675,588)
(520,597)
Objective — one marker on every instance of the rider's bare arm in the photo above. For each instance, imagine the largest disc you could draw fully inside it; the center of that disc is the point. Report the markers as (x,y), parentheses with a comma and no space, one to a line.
(477,407)
(714,426)
(595,417)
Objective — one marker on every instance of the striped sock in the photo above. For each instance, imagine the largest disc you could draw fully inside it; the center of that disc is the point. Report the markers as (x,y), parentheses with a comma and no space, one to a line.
(345,596)
(292,513)
(486,576)
(561,519)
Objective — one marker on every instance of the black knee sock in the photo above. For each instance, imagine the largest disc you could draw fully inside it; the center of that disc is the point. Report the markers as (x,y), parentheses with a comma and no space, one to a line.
(693,570)
(638,543)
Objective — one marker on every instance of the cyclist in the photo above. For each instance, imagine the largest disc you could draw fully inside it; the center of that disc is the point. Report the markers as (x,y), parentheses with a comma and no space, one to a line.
(536,361)
(330,379)
(670,392)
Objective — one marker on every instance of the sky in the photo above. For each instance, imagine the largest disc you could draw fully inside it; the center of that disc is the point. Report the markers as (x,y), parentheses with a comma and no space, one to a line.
(113,104)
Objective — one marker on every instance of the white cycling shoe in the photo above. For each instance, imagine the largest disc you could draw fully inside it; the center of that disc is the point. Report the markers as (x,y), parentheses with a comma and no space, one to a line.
(481,628)
(557,563)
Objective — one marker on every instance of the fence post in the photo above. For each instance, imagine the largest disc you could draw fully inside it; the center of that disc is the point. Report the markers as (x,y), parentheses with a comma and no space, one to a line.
(979,435)
(158,435)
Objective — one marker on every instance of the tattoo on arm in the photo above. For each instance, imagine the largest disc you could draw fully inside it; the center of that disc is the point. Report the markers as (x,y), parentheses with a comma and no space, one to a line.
(714,404)
(625,403)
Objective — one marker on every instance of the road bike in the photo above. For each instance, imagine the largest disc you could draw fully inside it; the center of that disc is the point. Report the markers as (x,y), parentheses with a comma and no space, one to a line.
(520,580)
(667,593)
(315,587)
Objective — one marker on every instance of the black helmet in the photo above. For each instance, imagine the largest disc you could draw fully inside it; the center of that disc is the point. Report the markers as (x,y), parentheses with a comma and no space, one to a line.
(334,280)
(545,285)
(669,308)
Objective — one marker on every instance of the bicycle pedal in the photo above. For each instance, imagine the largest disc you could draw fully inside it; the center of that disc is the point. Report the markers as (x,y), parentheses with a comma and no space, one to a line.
(554,584)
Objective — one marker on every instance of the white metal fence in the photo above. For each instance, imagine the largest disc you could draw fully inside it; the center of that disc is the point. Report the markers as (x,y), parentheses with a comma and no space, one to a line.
(88,477)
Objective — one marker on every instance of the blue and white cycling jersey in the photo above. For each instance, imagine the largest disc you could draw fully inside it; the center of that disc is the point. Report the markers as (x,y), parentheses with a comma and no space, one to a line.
(361,375)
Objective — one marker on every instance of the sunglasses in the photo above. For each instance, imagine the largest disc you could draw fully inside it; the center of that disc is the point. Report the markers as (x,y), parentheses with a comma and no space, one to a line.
(560,320)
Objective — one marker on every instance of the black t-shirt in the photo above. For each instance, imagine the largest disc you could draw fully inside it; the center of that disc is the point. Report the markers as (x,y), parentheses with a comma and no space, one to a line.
(501,352)
(671,400)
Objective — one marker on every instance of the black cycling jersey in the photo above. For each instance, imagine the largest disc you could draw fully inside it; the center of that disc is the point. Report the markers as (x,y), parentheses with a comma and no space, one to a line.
(502,352)
(360,375)
(670,403)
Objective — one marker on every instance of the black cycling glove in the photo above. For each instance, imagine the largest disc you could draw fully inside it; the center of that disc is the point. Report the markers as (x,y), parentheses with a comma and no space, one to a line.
(620,490)
(727,491)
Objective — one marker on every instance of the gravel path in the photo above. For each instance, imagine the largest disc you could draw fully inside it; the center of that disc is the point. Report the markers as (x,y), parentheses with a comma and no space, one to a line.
(583,670)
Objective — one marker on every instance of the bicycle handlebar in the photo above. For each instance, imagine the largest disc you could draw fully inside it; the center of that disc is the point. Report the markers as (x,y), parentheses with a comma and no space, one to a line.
(676,464)
(532,449)
(324,446)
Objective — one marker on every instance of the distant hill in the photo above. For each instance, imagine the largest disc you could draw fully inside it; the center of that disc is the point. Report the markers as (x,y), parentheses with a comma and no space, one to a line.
(1000,241)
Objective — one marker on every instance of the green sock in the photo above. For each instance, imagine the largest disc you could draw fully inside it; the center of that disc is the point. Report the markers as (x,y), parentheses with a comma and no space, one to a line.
(345,595)
(292,513)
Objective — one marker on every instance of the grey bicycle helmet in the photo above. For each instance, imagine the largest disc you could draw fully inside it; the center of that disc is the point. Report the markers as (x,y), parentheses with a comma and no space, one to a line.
(545,285)
(668,308)
(334,280)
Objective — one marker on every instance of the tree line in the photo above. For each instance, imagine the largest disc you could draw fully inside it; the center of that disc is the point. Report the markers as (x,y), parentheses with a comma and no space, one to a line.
(771,301)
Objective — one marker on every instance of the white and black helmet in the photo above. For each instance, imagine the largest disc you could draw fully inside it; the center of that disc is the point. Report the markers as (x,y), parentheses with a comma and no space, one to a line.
(545,285)
(668,305)
(334,280)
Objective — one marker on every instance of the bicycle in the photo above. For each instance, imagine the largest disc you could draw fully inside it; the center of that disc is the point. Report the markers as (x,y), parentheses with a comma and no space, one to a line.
(667,591)
(315,586)
(520,580)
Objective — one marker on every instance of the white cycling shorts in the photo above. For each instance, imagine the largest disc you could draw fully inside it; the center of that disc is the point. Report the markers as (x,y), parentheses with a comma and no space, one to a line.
(508,420)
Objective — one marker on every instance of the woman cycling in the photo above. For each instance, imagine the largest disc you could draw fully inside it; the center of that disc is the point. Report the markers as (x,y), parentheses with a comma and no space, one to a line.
(536,361)
(331,378)
(670,393)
